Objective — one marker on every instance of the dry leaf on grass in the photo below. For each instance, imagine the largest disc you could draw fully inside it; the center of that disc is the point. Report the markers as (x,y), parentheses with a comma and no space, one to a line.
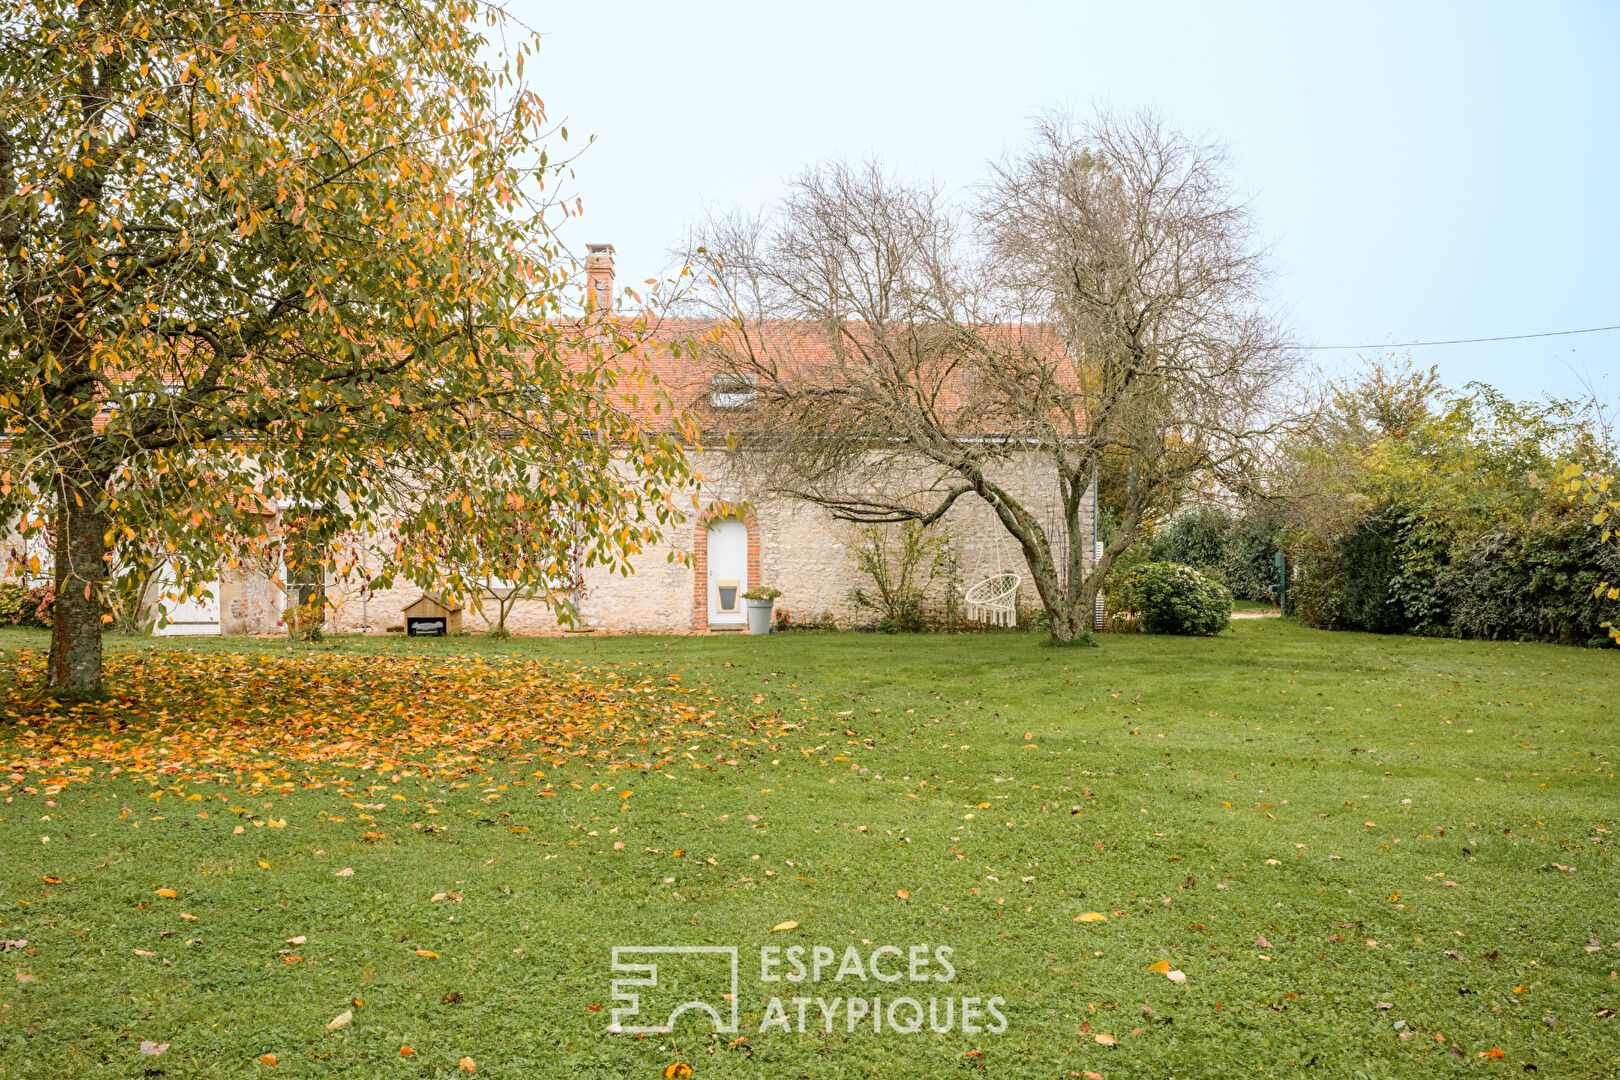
(350,713)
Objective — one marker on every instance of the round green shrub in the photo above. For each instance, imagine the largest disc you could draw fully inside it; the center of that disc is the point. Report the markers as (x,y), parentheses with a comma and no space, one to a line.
(1175,599)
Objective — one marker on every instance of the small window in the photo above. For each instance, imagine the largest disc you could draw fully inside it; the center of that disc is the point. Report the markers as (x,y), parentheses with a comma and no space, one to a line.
(304,558)
(306,577)
(146,399)
(727,592)
(732,391)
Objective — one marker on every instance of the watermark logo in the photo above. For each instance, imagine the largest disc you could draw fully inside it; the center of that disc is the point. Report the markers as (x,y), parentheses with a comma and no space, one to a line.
(812,989)
(677,979)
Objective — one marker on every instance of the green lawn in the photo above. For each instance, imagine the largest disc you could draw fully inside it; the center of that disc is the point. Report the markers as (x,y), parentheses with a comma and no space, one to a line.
(1350,845)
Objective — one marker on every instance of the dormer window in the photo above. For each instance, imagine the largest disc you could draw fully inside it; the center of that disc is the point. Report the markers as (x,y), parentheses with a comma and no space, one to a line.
(732,391)
(145,399)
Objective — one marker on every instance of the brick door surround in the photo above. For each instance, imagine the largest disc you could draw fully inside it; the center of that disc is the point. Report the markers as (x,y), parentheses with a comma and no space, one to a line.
(717,511)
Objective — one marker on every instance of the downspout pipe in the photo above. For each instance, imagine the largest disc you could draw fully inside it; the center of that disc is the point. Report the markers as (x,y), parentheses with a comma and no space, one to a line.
(1099,613)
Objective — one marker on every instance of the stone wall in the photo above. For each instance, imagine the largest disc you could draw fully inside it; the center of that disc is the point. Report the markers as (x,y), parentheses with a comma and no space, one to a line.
(810,556)
(802,550)
(249,603)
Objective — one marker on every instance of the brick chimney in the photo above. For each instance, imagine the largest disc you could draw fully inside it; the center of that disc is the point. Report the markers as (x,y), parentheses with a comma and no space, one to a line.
(599,276)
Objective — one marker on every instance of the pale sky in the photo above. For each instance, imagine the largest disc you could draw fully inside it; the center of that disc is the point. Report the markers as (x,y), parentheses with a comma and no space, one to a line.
(1423,170)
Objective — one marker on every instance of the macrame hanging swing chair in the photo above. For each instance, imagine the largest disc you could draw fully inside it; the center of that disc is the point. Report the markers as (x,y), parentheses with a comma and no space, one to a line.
(993,600)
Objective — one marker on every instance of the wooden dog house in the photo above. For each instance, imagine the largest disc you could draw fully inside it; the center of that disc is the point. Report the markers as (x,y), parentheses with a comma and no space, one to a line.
(430,616)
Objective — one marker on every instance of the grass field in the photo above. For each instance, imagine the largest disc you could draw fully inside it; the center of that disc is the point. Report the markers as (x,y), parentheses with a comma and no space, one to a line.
(1370,857)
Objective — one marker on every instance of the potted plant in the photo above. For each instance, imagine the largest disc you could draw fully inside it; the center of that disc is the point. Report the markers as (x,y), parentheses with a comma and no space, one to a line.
(760,601)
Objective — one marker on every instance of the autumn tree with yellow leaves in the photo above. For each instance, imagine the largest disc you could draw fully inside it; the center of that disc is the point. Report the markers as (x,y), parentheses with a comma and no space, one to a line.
(296,256)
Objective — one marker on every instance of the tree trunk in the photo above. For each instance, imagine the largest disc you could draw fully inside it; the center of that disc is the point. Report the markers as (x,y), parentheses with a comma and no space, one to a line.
(81,577)
(1070,618)
(1083,598)
(1082,608)
(1068,614)
(1068,603)
(1070,610)
(1072,626)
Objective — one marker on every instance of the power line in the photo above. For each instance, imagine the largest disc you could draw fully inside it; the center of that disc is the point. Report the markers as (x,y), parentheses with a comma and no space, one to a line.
(1461,341)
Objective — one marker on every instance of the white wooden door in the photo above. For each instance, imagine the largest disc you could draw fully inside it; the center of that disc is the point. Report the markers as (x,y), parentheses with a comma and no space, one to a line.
(728,572)
(191,617)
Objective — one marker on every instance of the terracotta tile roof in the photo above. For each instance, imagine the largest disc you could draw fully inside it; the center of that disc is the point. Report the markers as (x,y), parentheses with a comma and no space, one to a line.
(667,361)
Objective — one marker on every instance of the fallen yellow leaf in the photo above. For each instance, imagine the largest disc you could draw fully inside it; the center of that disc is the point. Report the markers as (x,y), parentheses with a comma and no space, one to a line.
(553,707)
(427,953)
(170,893)
(467,1065)
(1091,916)
(1163,967)
(789,925)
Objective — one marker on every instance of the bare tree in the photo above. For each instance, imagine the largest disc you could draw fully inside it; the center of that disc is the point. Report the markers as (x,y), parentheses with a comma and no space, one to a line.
(1102,309)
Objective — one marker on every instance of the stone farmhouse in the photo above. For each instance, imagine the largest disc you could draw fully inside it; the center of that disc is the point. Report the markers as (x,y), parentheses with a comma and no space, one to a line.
(740,538)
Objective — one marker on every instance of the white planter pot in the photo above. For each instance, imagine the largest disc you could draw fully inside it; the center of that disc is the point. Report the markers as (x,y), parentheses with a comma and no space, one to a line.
(759,616)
